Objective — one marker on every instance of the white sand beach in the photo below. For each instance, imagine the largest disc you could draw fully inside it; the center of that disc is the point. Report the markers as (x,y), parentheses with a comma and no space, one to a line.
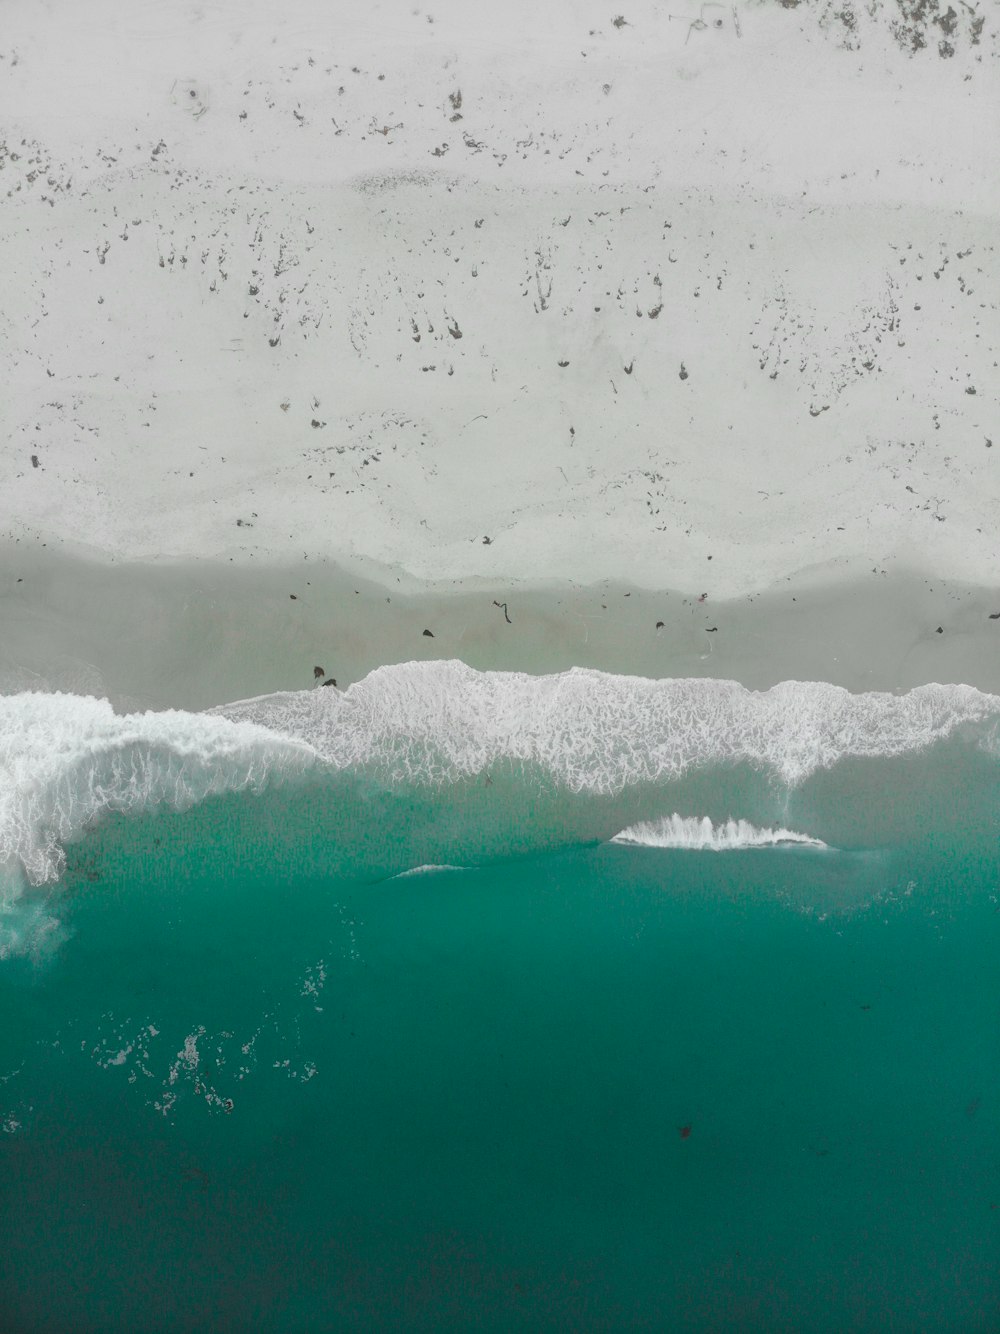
(461,297)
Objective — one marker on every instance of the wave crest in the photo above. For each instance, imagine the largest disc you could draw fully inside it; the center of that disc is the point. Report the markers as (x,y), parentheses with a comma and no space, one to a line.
(679,831)
(67,759)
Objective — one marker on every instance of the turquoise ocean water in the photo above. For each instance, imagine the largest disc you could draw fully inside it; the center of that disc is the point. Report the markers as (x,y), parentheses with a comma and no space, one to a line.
(347,1014)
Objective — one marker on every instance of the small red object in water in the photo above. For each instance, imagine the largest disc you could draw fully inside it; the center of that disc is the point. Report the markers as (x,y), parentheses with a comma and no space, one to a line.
(685,1131)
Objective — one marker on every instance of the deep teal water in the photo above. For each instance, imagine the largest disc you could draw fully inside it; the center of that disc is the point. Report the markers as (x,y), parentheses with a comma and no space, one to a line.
(260,1087)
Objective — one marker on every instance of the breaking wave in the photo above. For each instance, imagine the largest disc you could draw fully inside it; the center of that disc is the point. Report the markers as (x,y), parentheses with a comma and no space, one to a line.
(679,831)
(436,722)
(66,760)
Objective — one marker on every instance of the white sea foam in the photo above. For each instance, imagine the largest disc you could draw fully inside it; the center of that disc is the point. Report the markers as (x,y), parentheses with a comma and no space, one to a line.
(65,759)
(433,722)
(680,831)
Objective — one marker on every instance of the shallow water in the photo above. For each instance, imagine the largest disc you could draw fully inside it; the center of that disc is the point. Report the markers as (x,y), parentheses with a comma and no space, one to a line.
(252,1077)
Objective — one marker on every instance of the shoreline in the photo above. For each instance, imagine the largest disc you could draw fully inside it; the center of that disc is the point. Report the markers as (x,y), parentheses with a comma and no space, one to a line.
(201,633)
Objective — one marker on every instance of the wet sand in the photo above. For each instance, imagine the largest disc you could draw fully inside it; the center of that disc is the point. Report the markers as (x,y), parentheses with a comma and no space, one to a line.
(195,634)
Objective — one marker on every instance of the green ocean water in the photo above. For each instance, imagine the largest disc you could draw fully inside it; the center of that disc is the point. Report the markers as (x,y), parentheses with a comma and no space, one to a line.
(258,1084)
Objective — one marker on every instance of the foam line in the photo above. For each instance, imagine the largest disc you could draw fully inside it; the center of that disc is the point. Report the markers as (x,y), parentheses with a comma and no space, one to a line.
(432,722)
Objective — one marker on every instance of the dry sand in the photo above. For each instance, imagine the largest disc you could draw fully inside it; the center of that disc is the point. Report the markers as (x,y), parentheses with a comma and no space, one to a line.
(701,300)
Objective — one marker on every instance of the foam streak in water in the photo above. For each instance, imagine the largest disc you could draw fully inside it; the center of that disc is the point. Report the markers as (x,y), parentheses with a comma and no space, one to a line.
(426,870)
